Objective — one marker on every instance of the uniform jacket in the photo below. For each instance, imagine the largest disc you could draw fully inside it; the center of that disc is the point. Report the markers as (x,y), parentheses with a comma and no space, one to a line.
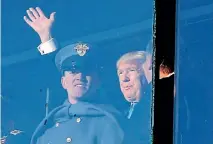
(81,123)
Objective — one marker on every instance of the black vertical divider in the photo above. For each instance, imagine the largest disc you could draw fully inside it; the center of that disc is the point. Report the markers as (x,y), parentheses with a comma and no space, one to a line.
(164,46)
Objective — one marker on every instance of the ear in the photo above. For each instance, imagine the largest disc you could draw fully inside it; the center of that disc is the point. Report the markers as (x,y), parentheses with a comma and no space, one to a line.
(63,82)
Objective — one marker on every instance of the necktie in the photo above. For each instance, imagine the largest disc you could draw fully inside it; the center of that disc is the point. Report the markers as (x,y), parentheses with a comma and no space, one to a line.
(131,109)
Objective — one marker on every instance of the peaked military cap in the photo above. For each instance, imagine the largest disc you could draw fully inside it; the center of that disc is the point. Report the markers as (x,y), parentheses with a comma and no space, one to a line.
(76,56)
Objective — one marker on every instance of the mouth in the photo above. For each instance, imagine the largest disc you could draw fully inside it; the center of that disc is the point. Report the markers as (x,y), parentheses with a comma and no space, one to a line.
(80,85)
(127,87)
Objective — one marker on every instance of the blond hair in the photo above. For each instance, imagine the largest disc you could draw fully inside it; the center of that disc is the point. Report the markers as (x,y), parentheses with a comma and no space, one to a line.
(140,56)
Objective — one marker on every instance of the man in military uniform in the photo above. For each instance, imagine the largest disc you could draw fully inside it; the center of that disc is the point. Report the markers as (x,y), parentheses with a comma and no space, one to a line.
(137,93)
(81,119)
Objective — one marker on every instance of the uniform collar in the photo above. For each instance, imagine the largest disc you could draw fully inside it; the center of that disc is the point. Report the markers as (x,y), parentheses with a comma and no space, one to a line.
(80,109)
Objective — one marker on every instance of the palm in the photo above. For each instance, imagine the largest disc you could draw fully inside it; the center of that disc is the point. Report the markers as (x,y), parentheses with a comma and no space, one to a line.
(42,24)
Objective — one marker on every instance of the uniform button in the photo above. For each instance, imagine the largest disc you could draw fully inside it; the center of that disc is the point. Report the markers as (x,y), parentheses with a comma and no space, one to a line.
(69,140)
(57,125)
(78,120)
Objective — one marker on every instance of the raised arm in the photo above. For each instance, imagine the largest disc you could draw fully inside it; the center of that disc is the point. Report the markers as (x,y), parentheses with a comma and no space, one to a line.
(42,25)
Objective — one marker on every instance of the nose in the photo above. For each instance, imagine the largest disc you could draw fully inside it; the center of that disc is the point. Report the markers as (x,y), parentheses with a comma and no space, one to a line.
(124,78)
(81,77)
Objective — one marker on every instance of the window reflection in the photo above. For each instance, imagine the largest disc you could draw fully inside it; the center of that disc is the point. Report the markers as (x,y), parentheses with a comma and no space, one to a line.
(71,93)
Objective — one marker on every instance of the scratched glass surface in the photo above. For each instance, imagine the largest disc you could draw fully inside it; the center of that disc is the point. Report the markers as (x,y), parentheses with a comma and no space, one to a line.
(32,85)
(193,114)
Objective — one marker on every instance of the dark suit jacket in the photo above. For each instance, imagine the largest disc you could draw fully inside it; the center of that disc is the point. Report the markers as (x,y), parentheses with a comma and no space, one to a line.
(139,126)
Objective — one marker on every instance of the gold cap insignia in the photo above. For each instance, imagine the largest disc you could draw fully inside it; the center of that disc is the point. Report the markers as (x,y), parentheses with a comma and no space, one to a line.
(15,132)
(81,48)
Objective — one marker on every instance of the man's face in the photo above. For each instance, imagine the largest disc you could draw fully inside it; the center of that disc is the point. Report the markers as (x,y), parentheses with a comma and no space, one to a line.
(130,78)
(78,84)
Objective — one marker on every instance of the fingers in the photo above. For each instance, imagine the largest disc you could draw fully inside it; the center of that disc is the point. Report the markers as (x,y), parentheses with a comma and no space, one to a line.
(29,22)
(52,16)
(31,16)
(34,12)
(40,12)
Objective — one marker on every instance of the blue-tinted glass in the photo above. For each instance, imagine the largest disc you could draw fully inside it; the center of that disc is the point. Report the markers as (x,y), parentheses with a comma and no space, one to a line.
(193,114)
(60,70)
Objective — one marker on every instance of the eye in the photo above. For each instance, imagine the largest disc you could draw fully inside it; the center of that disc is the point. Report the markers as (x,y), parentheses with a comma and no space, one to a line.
(119,72)
(132,69)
